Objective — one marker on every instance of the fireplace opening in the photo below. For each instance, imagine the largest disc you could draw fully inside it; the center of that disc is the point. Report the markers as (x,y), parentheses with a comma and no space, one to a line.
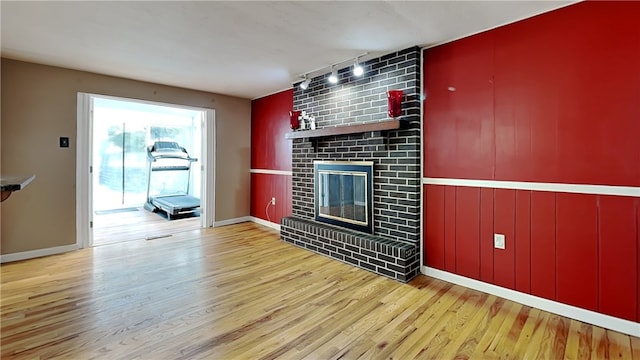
(343,194)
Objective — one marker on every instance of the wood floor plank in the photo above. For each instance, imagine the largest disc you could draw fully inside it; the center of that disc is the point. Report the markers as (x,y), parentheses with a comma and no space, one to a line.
(619,345)
(600,344)
(635,347)
(239,292)
(573,342)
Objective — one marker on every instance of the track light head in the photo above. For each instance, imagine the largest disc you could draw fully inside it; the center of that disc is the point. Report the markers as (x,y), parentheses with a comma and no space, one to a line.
(357,69)
(333,78)
(305,84)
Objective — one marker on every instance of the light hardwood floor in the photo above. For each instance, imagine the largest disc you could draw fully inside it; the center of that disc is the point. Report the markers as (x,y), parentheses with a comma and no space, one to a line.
(238,292)
(138,224)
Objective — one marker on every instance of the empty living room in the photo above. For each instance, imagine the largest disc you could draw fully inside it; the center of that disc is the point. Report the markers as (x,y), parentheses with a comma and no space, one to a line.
(366,180)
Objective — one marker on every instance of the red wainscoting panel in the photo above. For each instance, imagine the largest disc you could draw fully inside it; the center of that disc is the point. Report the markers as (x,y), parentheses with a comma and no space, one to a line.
(617,279)
(260,190)
(504,223)
(576,246)
(263,188)
(543,244)
(523,241)
(434,226)
(468,232)
(285,202)
(486,234)
(450,228)
(288,205)
(581,250)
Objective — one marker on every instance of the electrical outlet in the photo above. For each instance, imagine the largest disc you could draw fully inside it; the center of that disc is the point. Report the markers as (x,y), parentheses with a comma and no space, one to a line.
(499,241)
(273,201)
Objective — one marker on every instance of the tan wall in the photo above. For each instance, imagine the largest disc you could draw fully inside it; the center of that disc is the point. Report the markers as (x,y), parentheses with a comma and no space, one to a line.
(39,106)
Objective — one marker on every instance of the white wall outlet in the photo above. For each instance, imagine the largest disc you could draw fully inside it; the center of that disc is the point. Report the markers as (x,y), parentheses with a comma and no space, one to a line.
(273,201)
(498,241)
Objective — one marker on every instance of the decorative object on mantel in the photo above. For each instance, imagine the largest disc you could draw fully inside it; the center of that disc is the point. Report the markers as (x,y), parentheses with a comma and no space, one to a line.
(295,119)
(309,121)
(303,121)
(394,105)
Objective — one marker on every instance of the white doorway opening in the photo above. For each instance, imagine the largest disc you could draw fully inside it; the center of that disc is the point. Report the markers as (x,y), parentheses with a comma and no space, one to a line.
(112,166)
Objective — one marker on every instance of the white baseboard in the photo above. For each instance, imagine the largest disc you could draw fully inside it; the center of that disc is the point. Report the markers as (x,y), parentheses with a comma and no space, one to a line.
(265,223)
(588,316)
(232,221)
(37,253)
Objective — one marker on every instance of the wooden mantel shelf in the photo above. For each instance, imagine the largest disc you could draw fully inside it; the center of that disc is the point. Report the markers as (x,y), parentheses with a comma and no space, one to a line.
(390,124)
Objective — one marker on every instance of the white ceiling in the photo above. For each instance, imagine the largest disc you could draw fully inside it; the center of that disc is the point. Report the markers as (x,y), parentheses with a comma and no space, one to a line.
(239,48)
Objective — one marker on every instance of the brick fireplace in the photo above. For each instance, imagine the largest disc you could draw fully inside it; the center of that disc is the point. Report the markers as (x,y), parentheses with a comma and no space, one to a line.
(393,248)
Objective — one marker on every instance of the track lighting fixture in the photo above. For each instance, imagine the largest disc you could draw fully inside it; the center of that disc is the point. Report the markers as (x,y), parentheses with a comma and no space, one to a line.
(305,84)
(357,69)
(333,78)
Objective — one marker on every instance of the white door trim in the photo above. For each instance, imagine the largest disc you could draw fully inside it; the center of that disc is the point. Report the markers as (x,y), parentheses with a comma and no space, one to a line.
(209,169)
(84,156)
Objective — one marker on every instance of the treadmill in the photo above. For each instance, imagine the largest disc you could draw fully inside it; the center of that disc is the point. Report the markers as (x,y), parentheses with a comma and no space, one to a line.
(163,157)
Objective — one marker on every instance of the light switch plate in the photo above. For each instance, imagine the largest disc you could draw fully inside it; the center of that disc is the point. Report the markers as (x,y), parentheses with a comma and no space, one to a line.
(64,142)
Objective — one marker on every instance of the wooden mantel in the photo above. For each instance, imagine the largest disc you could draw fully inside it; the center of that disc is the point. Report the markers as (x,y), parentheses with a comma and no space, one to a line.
(390,124)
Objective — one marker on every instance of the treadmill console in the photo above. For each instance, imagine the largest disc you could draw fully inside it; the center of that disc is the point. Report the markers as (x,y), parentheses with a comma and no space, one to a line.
(166,146)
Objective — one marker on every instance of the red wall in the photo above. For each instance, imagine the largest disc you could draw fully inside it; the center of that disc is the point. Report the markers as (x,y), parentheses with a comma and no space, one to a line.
(554,99)
(271,151)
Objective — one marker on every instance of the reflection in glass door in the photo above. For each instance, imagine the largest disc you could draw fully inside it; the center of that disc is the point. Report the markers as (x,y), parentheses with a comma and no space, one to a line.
(120,167)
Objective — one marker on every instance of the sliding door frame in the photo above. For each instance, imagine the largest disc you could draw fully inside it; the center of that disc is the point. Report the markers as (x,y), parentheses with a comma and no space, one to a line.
(84,165)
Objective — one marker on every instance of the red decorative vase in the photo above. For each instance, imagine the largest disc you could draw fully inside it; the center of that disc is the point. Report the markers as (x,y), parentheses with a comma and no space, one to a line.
(394,98)
(295,119)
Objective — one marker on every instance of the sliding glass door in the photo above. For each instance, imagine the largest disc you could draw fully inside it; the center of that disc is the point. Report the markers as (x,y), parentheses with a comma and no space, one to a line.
(121,134)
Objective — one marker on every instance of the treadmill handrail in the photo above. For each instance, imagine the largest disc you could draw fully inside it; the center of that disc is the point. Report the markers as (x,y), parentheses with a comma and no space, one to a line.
(171,156)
